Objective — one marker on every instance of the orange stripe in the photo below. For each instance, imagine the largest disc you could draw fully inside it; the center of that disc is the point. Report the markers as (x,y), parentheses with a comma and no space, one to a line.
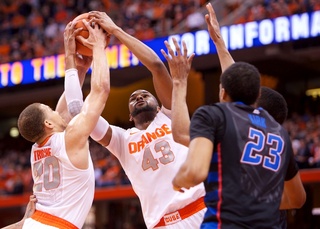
(44,141)
(187,211)
(52,220)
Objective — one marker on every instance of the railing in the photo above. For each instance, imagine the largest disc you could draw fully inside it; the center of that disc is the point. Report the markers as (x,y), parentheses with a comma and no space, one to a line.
(125,192)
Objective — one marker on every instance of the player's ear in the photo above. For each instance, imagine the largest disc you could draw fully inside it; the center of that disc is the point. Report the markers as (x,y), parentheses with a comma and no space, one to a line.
(221,92)
(48,124)
(130,118)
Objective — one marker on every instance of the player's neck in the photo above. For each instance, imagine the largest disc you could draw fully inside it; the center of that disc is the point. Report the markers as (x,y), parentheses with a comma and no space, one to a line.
(43,140)
(143,120)
(143,125)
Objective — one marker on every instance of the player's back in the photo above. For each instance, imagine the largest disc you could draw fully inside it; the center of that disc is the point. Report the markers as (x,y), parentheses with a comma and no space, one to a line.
(61,189)
(245,182)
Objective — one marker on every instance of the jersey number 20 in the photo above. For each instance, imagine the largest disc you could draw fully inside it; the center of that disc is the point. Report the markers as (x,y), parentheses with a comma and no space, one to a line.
(50,170)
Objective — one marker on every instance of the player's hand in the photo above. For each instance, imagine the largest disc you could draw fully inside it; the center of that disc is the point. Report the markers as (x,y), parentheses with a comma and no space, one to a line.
(179,63)
(103,20)
(31,207)
(97,36)
(178,189)
(69,36)
(213,24)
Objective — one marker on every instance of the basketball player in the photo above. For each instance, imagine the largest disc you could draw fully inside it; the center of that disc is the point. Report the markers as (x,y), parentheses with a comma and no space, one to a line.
(62,168)
(226,60)
(147,152)
(274,103)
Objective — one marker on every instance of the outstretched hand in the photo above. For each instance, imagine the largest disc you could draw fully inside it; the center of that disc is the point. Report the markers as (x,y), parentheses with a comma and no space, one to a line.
(212,23)
(97,36)
(103,20)
(70,34)
(179,63)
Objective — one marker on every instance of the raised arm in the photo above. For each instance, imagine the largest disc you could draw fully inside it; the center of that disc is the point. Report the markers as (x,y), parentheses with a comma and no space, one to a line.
(214,30)
(76,68)
(161,78)
(294,195)
(196,167)
(179,65)
(82,125)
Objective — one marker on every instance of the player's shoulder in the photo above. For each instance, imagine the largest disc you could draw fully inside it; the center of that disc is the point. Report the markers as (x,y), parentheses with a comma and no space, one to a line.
(211,111)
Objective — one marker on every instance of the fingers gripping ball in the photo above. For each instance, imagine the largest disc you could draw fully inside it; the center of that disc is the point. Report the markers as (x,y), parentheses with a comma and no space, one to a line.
(82,49)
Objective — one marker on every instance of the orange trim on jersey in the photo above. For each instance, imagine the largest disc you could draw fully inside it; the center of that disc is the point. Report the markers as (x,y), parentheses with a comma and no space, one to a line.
(52,220)
(182,213)
(44,141)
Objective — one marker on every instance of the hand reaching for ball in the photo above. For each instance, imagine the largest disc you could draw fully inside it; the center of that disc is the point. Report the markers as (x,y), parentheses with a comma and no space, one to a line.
(103,20)
(70,34)
(97,36)
(81,48)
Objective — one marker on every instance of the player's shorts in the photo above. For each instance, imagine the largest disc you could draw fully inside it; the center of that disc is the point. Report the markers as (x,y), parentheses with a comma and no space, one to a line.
(31,223)
(190,216)
(42,220)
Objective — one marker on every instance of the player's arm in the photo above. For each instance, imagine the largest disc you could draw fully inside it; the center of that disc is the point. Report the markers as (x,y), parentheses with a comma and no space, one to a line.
(30,209)
(82,125)
(76,68)
(179,66)
(72,98)
(294,195)
(161,78)
(196,167)
(214,30)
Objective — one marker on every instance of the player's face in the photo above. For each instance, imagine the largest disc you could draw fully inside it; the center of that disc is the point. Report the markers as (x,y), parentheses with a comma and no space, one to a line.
(141,101)
(55,118)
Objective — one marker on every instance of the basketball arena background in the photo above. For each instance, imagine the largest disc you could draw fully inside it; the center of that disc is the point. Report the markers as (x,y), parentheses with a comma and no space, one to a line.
(286,50)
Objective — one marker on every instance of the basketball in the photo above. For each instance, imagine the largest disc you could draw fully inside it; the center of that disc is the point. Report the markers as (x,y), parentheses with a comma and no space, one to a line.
(82,49)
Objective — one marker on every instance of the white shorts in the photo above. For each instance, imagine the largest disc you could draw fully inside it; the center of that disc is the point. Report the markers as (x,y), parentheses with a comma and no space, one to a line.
(193,221)
(30,223)
(43,220)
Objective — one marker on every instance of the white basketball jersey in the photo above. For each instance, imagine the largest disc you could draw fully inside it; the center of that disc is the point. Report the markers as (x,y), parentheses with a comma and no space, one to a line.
(61,189)
(151,159)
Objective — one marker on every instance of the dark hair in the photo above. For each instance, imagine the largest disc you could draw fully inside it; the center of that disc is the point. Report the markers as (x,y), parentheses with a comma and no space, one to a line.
(241,82)
(273,102)
(31,122)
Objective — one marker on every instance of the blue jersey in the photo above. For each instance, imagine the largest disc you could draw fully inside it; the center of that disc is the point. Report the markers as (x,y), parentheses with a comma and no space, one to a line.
(252,158)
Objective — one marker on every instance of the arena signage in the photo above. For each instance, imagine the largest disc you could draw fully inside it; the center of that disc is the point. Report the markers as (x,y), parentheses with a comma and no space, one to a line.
(240,36)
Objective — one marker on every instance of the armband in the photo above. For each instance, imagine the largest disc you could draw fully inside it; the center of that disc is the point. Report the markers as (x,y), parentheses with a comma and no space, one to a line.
(73,92)
(100,130)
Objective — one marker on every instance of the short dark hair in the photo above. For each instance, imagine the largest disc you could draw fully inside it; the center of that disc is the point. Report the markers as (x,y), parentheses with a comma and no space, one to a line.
(241,82)
(31,122)
(273,102)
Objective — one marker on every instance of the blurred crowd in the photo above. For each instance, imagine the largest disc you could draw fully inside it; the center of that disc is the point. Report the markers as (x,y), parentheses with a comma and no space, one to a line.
(15,171)
(305,136)
(262,9)
(34,28)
